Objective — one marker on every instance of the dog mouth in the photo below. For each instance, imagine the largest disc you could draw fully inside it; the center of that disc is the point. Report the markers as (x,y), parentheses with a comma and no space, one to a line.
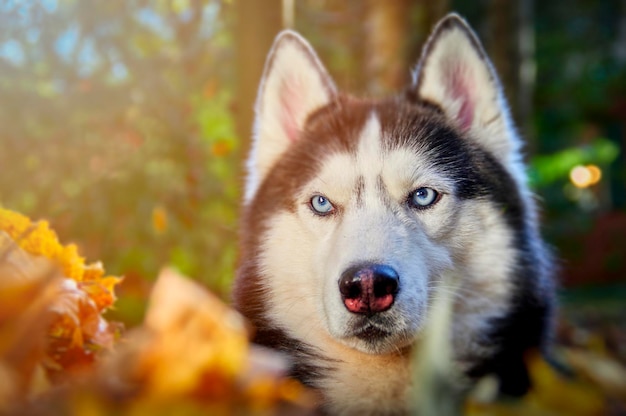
(376,331)
(371,333)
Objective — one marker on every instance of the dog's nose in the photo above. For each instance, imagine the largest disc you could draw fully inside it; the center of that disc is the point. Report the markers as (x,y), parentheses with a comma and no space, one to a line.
(369,289)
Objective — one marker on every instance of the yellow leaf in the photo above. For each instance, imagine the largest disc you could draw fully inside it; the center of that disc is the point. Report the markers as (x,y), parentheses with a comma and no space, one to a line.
(192,346)
(50,316)
(159,219)
(220,148)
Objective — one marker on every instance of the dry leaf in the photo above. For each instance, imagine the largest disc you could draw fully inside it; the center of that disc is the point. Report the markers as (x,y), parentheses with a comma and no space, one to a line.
(194,349)
(28,288)
(51,307)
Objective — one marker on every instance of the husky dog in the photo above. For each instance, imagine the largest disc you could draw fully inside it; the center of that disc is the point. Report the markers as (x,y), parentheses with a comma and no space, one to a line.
(359,213)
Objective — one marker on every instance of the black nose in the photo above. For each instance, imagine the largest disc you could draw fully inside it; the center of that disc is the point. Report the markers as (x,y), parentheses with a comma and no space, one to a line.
(369,289)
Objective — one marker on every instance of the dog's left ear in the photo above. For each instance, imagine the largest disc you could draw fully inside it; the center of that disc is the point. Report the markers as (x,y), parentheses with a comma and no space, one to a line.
(455,74)
(294,85)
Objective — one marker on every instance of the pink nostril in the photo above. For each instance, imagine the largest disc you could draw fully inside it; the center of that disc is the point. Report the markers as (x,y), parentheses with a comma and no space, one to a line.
(369,289)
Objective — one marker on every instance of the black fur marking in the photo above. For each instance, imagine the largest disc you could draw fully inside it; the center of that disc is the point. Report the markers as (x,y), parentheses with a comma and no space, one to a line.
(528,323)
(301,354)
(420,127)
(359,188)
(383,193)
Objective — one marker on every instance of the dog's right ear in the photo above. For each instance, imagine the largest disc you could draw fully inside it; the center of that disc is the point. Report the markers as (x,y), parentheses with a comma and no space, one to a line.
(294,84)
(455,74)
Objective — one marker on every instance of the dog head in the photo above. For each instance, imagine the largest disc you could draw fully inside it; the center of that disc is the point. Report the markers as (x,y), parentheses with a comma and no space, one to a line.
(356,209)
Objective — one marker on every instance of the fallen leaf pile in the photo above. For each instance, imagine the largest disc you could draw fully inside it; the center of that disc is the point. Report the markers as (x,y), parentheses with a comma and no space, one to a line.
(193,352)
(51,324)
(567,392)
(59,355)
(588,376)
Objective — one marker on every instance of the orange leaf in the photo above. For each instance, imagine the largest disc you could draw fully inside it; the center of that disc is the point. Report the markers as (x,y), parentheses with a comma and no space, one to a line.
(159,219)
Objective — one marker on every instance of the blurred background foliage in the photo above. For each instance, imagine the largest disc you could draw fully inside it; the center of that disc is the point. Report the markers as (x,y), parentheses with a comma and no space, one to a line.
(125,123)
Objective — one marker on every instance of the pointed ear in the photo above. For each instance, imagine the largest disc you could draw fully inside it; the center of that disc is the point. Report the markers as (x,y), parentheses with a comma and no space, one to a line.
(294,84)
(455,74)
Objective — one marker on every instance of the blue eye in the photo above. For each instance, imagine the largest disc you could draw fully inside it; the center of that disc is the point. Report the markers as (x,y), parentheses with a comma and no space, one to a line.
(423,198)
(321,205)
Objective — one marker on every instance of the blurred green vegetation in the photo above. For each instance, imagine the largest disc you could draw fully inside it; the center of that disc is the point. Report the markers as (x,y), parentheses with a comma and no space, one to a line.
(547,169)
(117,128)
(118,121)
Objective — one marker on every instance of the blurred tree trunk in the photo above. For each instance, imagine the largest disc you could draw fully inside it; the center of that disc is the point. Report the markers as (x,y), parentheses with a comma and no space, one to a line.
(511,47)
(526,72)
(395,32)
(424,15)
(502,44)
(433,12)
(339,35)
(257,23)
(386,28)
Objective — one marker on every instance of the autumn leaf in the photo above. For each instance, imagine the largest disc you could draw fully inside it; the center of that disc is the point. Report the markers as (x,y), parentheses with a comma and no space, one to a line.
(28,288)
(194,348)
(51,304)
(552,393)
(221,148)
(159,219)
(192,351)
